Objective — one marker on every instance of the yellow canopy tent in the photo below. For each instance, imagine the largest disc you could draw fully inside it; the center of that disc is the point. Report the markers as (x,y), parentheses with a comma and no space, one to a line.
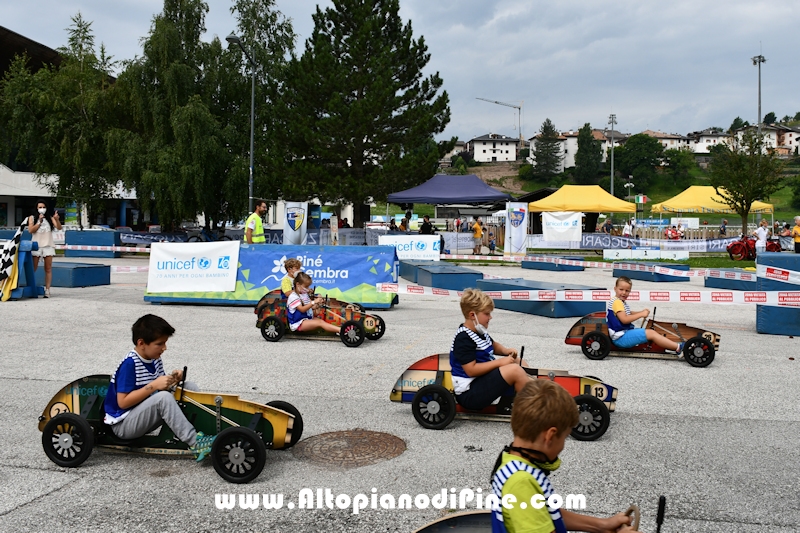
(582,199)
(703,199)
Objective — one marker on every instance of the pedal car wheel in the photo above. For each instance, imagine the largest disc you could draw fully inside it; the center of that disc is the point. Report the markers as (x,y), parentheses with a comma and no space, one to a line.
(67,440)
(380,328)
(698,352)
(593,418)
(434,407)
(352,334)
(194,238)
(595,345)
(238,454)
(297,428)
(737,250)
(272,329)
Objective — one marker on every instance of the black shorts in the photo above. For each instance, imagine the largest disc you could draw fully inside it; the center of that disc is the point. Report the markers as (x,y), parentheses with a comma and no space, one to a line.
(484,390)
(797,247)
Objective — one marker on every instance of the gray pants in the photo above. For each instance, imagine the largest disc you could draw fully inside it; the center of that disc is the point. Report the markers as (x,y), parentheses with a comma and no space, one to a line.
(157,409)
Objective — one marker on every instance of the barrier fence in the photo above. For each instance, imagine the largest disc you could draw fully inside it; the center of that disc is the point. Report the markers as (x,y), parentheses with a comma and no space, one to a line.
(773,298)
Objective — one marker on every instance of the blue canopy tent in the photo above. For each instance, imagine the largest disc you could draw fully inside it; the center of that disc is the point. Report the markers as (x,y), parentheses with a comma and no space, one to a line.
(444,189)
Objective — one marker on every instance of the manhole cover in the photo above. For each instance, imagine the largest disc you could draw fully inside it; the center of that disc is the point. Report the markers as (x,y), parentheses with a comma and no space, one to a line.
(349,449)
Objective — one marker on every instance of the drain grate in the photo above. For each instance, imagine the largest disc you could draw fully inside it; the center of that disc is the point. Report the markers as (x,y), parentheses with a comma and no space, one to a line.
(349,449)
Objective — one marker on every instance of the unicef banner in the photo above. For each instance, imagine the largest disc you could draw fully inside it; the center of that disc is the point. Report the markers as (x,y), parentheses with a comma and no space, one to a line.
(419,247)
(193,267)
(561,226)
(348,273)
(515,244)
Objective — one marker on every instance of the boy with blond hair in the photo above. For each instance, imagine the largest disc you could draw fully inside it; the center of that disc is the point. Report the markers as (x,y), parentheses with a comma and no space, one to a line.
(479,377)
(544,414)
(620,319)
(292,267)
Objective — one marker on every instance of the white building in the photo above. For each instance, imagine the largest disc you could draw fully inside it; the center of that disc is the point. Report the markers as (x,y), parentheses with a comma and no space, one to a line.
(670,141)
(569,145)
(783,139)
(494,148)
(701,141)
(459,147)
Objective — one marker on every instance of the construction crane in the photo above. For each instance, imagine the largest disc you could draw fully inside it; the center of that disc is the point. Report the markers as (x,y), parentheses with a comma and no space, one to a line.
(519,112)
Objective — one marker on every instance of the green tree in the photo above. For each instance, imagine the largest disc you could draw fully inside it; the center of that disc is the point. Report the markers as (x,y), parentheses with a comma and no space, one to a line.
(794,184)
(769,118)
(679,163)
(184,140)
(737,124)
(58,117)
(359,118)
(744,172)
(639,157)
(547,156)
(588,158)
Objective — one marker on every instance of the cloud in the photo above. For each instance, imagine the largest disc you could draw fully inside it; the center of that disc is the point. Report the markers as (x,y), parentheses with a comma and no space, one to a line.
(673,66)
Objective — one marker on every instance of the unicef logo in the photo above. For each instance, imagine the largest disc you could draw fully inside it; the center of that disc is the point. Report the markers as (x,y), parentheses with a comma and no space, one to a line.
(421,245)
(204,263)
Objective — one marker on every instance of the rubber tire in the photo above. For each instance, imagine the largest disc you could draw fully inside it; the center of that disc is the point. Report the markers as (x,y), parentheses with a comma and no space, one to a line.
(280,329)
(194,238)
(252,445)
(381,329)
(698,361)
(81,433)
(596,428)
(297,429)
(445,407)
(359,336)
(604,345)
(737,251)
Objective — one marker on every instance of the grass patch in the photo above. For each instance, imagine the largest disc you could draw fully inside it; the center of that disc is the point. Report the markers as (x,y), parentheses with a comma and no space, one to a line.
(717,261)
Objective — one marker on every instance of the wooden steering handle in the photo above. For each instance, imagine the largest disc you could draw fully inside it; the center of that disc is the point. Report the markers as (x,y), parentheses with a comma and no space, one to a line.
(633,511)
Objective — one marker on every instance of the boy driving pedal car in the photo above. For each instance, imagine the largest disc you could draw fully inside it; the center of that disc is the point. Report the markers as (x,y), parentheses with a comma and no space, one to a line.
(620,321)
(480,378)
(138,402)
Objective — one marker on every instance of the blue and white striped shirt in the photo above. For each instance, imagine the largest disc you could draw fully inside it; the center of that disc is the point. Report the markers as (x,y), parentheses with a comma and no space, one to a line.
(132,374)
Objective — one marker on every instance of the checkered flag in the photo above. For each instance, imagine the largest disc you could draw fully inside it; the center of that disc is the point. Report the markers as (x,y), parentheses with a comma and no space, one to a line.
(9,255)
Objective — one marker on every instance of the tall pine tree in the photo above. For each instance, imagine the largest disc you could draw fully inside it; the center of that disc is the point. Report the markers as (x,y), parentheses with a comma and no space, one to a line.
(588,157)
(547,156)
(359,116)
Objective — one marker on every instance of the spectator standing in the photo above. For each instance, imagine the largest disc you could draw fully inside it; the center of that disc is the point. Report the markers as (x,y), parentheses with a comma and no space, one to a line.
(477,235)
(796,234)
(42,225)
(626,230)
(254,232)
(427,227)
(608,226)
(723,228)
(762,233)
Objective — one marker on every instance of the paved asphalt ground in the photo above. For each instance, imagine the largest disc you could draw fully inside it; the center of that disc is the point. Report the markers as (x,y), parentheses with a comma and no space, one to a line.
(722,443)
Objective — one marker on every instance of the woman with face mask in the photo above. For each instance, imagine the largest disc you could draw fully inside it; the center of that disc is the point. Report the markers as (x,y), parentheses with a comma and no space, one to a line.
(42,225)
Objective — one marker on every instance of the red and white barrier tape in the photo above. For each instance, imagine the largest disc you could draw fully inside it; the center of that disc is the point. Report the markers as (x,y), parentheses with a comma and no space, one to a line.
(129,269)
(778,274)
(696,273)
(129,249)
(780,298)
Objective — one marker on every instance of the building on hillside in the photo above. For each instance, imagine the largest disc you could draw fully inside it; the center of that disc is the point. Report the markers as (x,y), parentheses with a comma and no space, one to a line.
(783,139)
(569,145)
(670,141)
(459,147)
(493,148)
(701,141)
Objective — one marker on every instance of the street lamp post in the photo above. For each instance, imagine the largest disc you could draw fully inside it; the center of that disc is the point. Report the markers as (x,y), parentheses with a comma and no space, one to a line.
(612,119)
(757,60)
(234,39)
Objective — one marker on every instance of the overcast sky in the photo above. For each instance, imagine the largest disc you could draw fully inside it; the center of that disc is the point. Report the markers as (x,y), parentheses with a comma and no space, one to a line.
(676,66)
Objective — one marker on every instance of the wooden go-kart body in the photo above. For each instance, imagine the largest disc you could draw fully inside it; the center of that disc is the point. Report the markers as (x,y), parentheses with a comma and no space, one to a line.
(428,386)
(72,425)
(591,334)
(354,322)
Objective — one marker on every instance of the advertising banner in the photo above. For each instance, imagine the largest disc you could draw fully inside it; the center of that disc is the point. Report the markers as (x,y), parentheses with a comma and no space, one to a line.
(334,231)
(419,247)
(207,266)
(345,272)
(315,214)
(516,239)
(561,226)
(140,237)
(294,223)
(457,241)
